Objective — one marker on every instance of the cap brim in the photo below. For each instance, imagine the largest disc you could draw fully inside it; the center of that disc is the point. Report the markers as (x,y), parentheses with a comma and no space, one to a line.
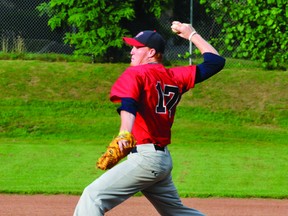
(132,42)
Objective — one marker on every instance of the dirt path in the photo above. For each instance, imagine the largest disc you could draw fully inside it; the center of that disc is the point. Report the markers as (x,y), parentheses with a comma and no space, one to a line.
(62,205)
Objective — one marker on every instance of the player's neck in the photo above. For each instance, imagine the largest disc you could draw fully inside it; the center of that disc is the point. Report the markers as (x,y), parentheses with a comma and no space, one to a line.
(152,61)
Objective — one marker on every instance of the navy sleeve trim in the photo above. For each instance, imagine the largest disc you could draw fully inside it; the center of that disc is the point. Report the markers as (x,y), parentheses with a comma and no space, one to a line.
(128,104)
(211,65)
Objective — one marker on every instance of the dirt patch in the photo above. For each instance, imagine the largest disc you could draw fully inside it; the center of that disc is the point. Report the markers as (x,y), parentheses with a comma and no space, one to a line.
(63,205)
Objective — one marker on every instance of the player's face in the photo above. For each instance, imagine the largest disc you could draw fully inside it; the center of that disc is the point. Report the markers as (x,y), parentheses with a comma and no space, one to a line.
(140,55)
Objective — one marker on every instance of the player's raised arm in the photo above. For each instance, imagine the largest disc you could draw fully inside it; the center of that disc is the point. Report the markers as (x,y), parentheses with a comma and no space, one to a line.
(212,62)
(187,31)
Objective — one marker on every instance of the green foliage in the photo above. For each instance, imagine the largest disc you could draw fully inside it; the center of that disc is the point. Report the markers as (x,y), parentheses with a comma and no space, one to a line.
(94,27)
(257,28)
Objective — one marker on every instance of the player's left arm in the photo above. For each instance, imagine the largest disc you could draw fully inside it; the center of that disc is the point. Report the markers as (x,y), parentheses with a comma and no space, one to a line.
(127,111)
(127,121)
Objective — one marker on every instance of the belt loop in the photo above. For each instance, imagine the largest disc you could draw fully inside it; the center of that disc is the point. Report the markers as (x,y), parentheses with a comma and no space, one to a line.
(134,150)
(159,148)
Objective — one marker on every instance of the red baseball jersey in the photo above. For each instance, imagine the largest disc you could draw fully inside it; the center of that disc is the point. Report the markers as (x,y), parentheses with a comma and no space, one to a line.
(157,91)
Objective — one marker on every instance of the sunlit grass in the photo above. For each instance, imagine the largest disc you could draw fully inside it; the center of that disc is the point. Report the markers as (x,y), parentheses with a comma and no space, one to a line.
(229,137)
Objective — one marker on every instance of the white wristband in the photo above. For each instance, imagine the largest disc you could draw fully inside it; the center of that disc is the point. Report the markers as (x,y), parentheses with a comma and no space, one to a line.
(193,33)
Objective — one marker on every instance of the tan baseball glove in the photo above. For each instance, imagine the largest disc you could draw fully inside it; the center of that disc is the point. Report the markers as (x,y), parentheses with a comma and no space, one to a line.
(113,153)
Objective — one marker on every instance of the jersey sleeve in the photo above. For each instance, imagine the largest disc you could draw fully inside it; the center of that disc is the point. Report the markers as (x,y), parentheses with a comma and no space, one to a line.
(128,85)
(211,65)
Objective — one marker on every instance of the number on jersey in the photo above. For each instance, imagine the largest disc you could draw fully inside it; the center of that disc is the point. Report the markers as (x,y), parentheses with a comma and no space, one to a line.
(167,98)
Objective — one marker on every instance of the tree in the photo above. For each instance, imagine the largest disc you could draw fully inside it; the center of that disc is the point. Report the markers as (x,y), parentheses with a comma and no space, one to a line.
(95,26)
(256,28)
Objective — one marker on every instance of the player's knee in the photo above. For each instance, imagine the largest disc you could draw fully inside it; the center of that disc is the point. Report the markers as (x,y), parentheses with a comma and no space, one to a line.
(91,193)
(94,197)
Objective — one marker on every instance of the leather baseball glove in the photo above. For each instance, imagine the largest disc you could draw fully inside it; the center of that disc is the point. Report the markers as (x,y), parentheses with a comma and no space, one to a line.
(113,153)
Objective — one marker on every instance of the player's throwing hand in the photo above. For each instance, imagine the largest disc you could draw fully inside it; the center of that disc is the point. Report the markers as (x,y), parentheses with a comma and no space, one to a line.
(183,29)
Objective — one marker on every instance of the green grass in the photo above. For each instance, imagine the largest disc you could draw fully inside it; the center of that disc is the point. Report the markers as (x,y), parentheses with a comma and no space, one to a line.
(230,161)
(47,165)
(229,137)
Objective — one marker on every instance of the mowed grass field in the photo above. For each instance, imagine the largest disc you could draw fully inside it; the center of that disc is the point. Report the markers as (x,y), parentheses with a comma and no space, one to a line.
(230,137)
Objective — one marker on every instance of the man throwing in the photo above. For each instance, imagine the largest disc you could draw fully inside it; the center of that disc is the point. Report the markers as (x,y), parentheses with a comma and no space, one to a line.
(148,94)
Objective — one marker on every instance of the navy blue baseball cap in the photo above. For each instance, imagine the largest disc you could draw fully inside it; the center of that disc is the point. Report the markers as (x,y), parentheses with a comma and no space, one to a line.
(151,39)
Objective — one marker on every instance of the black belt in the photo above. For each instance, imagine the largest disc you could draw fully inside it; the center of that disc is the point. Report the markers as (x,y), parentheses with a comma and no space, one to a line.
(157,148)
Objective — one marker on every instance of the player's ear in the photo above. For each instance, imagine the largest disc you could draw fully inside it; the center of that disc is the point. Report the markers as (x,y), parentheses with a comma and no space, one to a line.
(152,52)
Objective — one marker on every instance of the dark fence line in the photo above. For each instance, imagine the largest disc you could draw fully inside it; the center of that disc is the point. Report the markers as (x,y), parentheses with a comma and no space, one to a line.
(23,30)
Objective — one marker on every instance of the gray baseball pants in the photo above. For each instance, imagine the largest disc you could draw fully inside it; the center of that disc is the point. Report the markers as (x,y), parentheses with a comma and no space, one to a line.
(149,171)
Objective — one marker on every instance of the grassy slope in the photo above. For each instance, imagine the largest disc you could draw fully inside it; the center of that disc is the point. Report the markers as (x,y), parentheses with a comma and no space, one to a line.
(229,138)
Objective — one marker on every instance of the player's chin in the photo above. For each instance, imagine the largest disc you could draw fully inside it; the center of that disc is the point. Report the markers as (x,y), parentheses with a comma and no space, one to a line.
(133,63)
